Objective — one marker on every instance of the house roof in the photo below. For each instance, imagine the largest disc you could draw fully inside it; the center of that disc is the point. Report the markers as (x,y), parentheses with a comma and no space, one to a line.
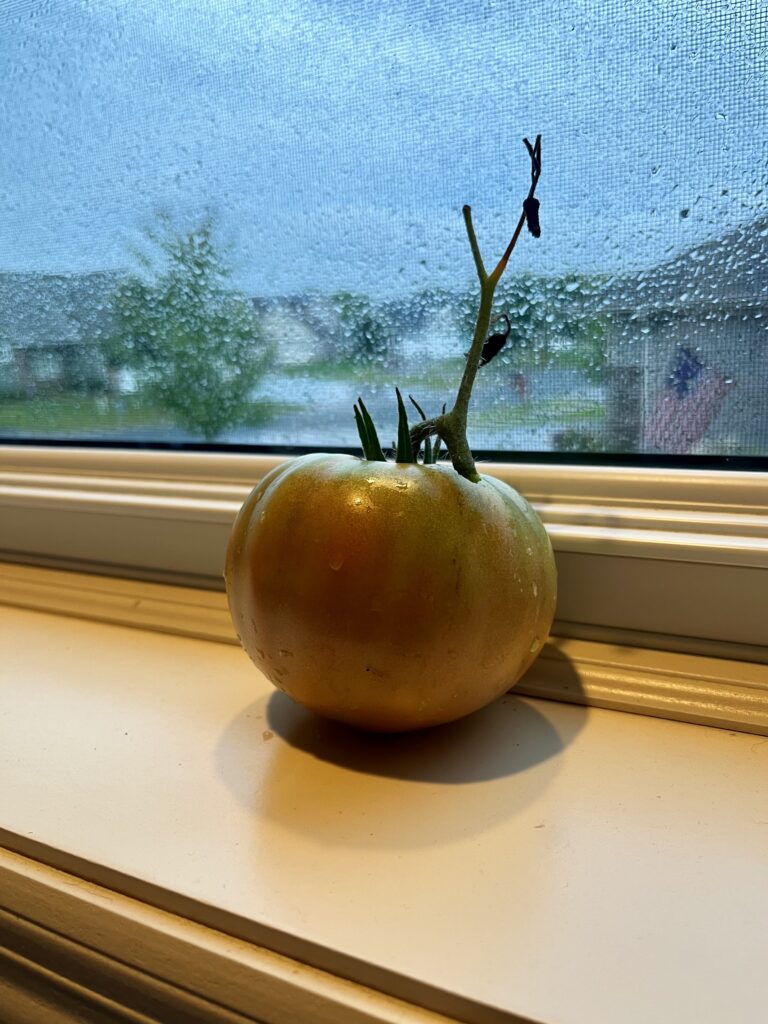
(54,310)
(723,274)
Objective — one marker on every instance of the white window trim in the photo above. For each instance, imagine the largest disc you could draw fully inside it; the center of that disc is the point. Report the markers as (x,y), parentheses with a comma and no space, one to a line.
(674,559)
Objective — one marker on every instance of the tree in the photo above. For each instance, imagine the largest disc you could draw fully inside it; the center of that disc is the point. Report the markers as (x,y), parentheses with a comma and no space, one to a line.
(524,299)
(552,320)
(196,344)
(364,334)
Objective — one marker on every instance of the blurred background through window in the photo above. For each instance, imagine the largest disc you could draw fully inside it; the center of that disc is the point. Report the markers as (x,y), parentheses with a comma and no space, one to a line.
(223,222)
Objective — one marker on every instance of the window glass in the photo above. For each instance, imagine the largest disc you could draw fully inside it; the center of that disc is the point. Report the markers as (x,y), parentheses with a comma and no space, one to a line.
(224,221)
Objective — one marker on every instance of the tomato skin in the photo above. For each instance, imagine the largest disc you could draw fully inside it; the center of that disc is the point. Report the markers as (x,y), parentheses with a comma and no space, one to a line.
(389,596)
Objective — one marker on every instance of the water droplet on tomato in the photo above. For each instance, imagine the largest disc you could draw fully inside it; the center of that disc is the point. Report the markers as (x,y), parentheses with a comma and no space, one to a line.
(336,561)
(535,590)
(535,643)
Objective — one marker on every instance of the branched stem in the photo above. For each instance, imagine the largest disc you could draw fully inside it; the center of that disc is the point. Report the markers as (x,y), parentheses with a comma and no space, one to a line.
(501,266)
(467,211)
(425,429)
(452,426)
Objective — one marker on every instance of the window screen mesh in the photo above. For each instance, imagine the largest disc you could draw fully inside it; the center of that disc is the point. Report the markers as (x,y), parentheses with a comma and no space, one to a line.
(225,221)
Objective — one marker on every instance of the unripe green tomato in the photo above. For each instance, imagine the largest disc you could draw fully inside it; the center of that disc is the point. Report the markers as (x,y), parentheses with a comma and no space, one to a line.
(390,596)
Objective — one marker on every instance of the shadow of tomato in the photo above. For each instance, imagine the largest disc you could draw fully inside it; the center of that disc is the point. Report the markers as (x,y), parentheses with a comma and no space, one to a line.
(343,786)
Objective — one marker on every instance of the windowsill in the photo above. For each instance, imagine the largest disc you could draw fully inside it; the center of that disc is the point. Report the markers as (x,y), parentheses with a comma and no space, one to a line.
(549,861)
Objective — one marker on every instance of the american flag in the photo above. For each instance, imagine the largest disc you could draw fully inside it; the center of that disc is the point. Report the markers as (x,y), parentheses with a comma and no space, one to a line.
(686,405)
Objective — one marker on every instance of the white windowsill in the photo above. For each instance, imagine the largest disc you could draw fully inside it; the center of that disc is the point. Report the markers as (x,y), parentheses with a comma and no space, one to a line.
(540,860)
(685,686)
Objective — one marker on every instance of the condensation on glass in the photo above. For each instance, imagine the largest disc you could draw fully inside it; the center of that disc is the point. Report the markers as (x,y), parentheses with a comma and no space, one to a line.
(224,222)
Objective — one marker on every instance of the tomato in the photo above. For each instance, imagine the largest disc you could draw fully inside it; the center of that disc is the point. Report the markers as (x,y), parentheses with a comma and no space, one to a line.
(397,595)
(390,596)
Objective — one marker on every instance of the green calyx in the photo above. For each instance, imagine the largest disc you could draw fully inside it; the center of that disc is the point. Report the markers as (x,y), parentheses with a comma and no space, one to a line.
(403,447)
(450,427)
(369,439)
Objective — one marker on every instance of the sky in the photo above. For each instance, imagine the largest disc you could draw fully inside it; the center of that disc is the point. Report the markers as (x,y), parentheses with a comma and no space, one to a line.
(335,141)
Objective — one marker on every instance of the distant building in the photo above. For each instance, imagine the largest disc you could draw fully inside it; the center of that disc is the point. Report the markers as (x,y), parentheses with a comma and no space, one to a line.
(309,327)
(299,327)
(707,306)
(52,330)
(429,326)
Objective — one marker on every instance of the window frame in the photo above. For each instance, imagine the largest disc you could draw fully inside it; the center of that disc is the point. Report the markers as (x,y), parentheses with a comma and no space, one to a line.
(623,536)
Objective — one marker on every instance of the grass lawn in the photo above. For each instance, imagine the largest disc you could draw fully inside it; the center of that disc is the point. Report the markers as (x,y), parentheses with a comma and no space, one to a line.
(379,374)
(104,415)
(323,369)
(115,416)
(556,412)
(78,414)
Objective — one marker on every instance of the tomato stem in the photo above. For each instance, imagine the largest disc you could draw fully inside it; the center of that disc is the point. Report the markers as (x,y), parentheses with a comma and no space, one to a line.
(451,427)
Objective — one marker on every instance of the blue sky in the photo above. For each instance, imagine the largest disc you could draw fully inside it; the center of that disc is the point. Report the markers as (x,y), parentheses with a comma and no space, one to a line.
(336,140)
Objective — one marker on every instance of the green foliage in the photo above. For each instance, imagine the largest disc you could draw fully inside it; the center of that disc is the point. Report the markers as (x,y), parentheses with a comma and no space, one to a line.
(586,348)
(551,321)
(577,441)
(365,335)
(195,343)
